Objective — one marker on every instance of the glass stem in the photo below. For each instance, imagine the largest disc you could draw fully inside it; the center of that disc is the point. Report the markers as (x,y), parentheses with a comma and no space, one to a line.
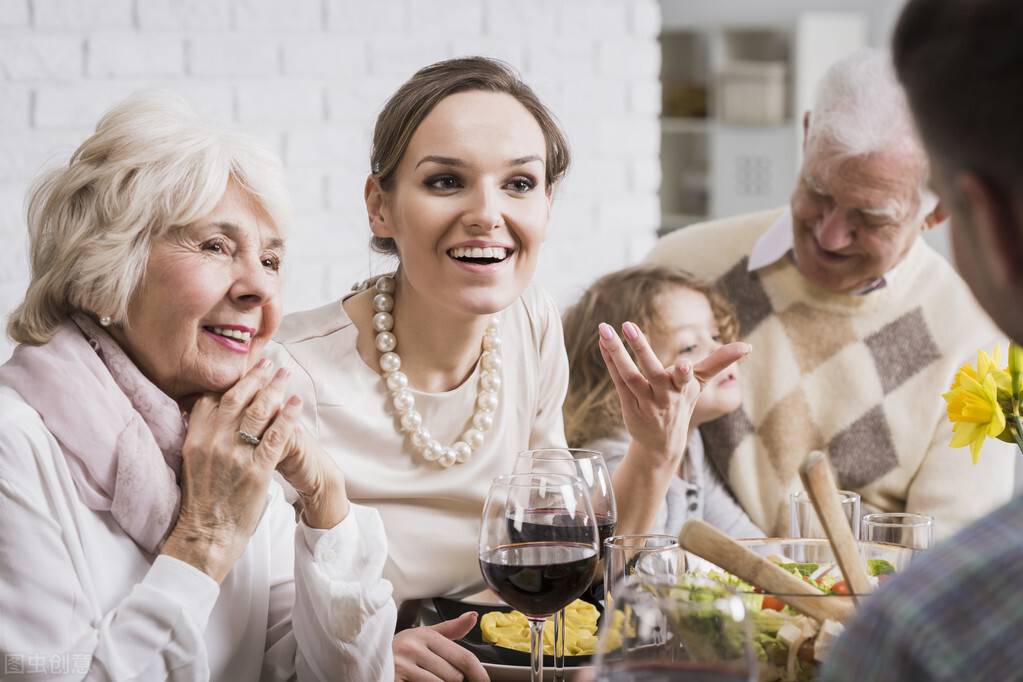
(536,648)
(559,646)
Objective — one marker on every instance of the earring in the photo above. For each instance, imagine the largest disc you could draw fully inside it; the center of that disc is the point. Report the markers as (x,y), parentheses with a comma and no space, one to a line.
(105,321)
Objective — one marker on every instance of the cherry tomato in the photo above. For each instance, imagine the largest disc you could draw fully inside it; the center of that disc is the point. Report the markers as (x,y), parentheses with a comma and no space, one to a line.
(840,588)
(773,603)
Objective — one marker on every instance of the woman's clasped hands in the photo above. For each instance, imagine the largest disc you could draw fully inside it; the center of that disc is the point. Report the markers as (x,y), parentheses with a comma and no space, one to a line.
(235,441)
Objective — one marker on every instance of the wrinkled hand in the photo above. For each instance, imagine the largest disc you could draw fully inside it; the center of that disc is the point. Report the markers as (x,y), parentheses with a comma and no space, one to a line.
(315,476)
(224,481)
(429,653)
(658,401)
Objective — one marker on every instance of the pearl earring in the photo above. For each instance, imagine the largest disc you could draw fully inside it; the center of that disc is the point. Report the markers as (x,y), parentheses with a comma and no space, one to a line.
(105,321)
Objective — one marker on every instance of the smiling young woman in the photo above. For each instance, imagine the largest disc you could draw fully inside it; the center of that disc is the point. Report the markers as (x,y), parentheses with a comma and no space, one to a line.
(428,381)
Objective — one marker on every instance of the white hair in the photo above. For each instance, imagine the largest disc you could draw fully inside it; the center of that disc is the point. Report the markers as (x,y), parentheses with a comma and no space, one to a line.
(861,109)
(151,166)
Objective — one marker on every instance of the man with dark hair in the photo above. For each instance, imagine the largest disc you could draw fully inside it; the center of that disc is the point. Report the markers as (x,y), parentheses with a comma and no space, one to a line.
(958,614)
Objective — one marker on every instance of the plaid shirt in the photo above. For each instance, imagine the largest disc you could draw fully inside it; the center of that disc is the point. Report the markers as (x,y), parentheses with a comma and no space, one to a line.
(956,615)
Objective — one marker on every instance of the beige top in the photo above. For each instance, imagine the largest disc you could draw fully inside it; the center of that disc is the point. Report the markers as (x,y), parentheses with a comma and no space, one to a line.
(431,514)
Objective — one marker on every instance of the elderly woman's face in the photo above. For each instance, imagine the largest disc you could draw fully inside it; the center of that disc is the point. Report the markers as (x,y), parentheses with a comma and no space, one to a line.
(209,301)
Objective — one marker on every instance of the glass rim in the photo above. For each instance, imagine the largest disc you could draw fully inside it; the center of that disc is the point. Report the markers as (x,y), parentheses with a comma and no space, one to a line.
(507,480)
(897,520)
(611,541)
(803,496)
(590,454)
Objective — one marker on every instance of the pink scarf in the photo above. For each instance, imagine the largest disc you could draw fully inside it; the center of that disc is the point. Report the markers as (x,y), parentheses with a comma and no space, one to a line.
(120,434)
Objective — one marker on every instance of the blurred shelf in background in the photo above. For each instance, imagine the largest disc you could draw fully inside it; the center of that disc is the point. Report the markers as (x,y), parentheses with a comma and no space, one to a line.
(733,94)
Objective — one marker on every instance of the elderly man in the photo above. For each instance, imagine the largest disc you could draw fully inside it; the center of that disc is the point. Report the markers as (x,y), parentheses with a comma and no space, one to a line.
(957,615)
(857,324)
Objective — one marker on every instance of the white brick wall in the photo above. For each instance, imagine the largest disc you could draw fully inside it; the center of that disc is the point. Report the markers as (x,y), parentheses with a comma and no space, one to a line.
(307,77)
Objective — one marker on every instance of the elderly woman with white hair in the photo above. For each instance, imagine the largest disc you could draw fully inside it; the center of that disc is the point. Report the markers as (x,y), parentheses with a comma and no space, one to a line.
(141,533)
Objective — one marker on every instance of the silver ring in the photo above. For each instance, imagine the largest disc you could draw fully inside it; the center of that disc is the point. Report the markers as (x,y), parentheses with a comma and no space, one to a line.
(246,437)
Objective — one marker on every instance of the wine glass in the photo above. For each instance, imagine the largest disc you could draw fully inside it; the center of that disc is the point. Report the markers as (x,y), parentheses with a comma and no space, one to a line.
(535,563)
(695,629)
(590,467)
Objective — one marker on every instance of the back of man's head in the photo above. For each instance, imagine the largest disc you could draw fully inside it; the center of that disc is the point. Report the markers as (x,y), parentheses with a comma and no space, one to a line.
(961,62)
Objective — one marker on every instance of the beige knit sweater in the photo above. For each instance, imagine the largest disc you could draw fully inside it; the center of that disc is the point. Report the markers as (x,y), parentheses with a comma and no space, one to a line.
(858,376)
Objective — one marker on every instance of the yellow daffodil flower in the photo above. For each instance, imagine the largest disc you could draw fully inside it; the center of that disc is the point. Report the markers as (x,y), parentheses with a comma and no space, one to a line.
(986,365)
(973,406)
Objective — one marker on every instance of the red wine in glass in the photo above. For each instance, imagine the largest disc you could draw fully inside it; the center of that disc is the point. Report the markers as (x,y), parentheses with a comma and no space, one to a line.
(558,525)
(539,578)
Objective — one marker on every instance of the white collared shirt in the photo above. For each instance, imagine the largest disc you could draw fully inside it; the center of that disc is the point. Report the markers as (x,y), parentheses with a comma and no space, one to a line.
(777,242)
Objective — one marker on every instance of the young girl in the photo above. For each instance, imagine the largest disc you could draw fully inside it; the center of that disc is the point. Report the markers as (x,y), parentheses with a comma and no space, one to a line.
(426,383)
(686,320)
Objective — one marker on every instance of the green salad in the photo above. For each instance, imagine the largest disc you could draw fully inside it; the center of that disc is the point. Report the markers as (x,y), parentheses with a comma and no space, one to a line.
(789,645)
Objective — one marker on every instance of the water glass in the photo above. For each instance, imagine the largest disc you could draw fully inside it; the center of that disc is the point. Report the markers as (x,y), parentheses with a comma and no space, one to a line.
(915,531)
(656,557)
(803,521)
(696,630)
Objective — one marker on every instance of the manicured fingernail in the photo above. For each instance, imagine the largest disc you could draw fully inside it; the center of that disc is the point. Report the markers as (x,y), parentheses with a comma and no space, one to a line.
(263,363)
(684,366)
(605,331)
(748,349)
(294,401)
(282,373)
(631,331)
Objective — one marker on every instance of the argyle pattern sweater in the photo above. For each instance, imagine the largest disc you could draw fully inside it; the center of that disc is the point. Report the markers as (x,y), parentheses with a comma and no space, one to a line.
(859,377)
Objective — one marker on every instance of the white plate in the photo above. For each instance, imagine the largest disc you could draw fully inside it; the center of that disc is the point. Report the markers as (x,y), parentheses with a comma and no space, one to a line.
(485,597)
(520,673)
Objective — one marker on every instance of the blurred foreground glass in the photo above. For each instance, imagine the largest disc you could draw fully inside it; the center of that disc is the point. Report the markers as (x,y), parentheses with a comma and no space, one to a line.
(653,557)
(695,630)
(803,521)
(590,468)
(535,567)
(915,531)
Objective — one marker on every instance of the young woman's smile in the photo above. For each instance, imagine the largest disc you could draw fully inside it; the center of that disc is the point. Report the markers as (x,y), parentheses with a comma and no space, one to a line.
(469,207)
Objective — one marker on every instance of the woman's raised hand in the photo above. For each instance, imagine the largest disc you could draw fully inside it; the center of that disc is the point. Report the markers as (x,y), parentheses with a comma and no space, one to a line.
(234,443)
(658,401)
(657,406)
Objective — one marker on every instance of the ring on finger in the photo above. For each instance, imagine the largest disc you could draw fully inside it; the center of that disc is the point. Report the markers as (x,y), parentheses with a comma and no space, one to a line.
(248,438)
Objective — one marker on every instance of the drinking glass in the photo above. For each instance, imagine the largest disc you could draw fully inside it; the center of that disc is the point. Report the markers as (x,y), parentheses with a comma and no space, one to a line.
(654,557)
(803,521)
(660,630)
(590,467)
(915,531)
(535,564)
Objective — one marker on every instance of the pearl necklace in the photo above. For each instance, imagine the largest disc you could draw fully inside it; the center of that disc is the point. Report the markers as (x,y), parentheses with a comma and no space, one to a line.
(404,402)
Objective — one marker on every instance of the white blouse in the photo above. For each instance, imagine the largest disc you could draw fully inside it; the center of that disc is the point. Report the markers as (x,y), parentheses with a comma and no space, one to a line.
(78,598)
(431,514)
